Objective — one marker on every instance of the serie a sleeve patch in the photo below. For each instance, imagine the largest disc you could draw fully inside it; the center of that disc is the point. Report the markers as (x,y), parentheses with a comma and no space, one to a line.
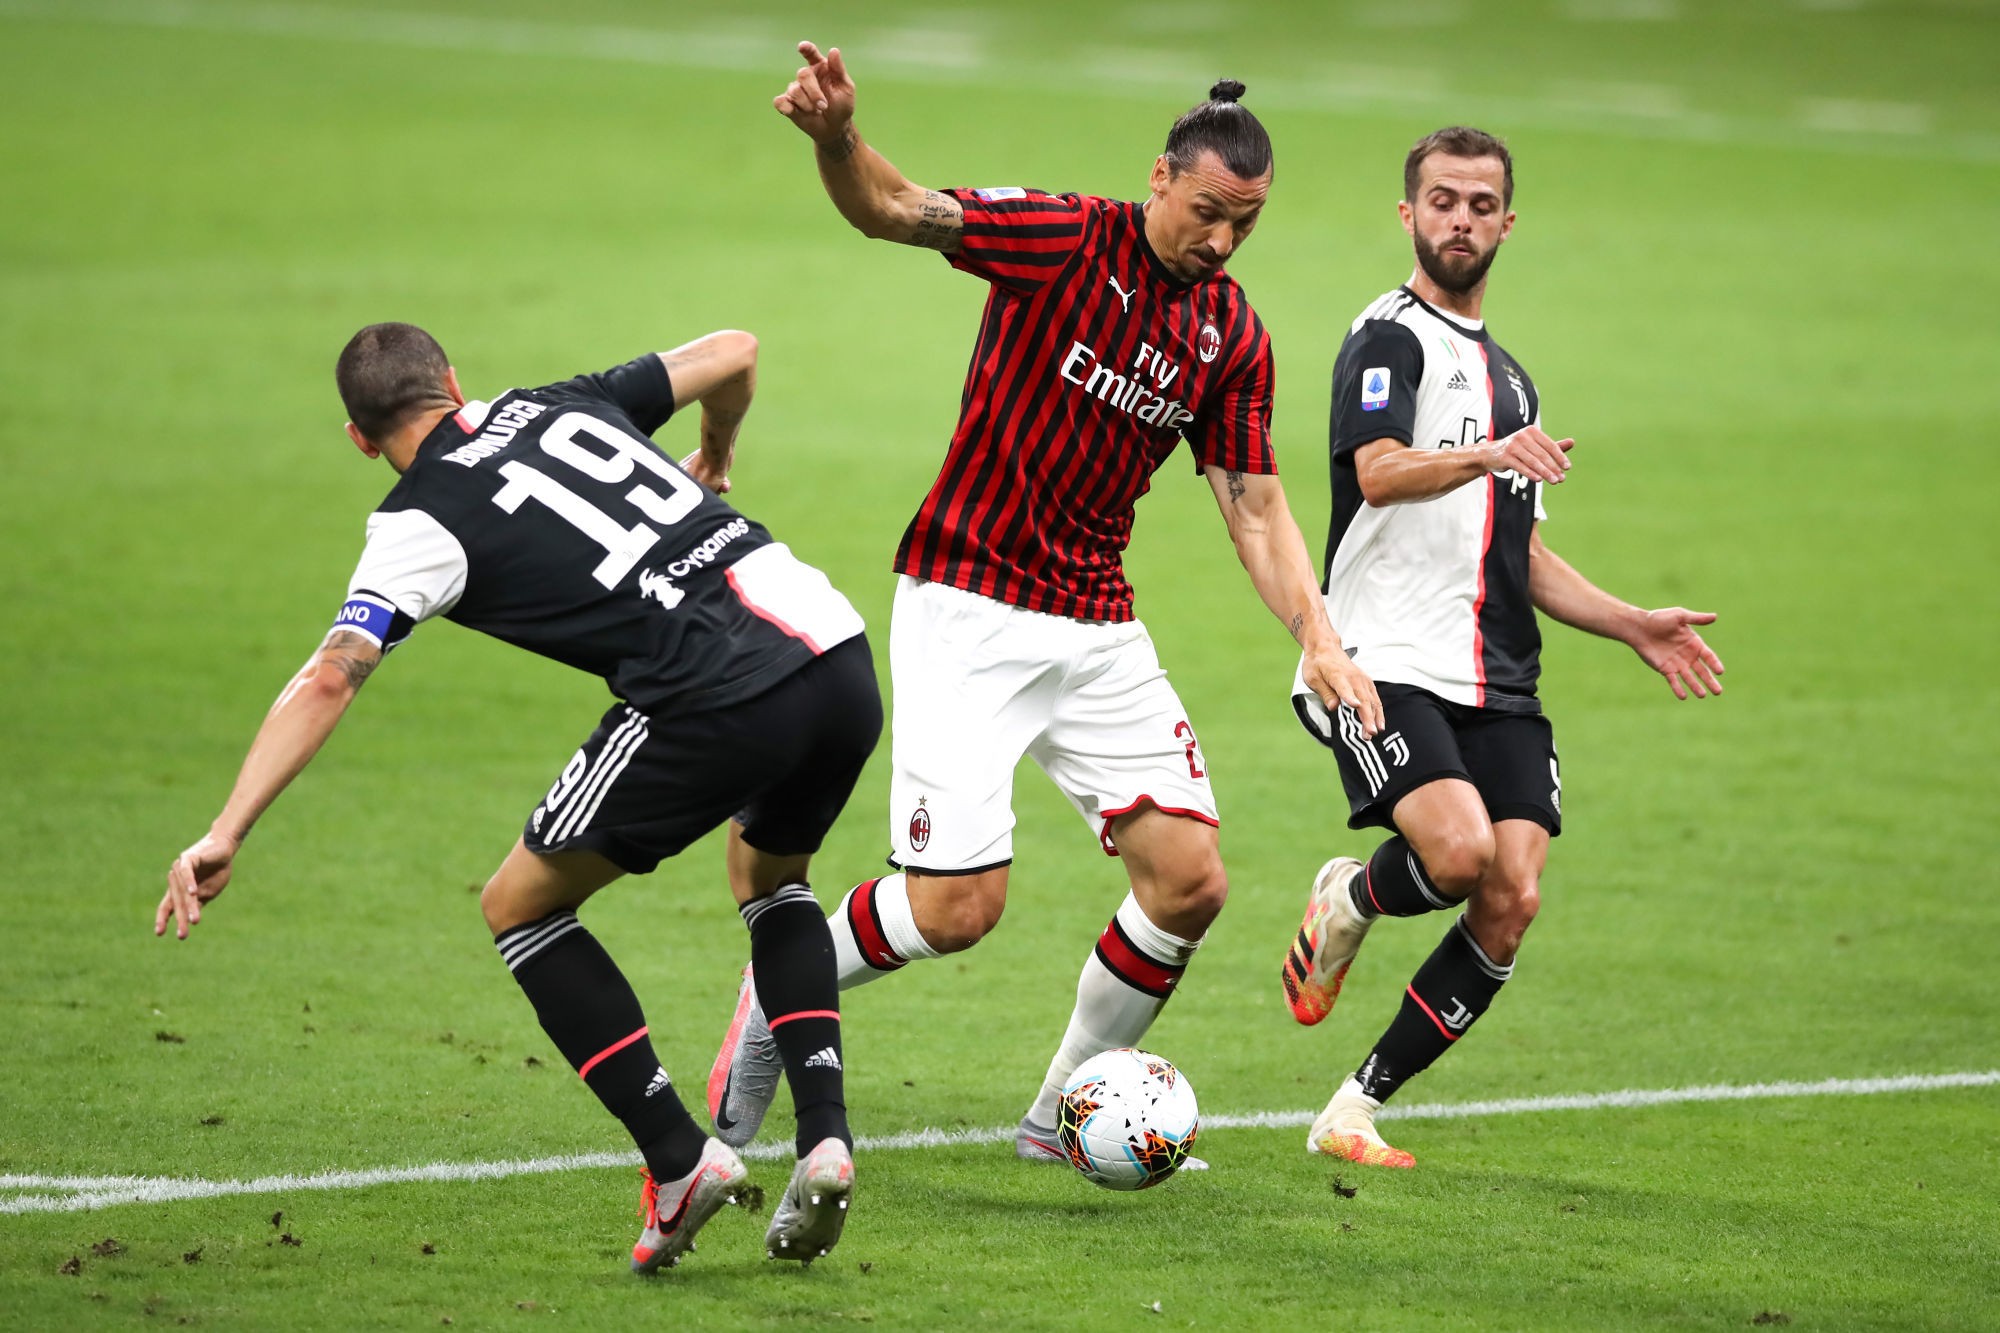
(1375,383)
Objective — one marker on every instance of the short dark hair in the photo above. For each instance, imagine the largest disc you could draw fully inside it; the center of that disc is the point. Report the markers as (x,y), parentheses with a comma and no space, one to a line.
(389,372)
(1457,141)
(1224,126)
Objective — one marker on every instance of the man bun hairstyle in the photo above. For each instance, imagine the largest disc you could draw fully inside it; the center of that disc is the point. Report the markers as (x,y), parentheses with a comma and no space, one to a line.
(388,373)
(1224,126)
(1457,141)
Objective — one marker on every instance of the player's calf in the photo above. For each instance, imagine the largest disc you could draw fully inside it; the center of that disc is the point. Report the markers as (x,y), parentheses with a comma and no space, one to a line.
(792,964)
(589,1011)
(1455,985)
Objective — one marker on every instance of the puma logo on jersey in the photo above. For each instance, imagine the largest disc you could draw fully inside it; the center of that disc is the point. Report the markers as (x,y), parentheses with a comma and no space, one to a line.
(660,588)
(1124,297)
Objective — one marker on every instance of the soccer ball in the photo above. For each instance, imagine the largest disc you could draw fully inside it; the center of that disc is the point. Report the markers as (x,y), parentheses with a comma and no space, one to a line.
(1127,1119)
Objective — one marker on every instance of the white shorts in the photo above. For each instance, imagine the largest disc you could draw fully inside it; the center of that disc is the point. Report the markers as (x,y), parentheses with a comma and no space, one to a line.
(979,683)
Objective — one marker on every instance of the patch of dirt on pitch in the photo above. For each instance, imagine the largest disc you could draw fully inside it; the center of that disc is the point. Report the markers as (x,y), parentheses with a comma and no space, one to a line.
(71,1266)
(107,1247)
(1343,1189)
(1771,1317)
(750,1198)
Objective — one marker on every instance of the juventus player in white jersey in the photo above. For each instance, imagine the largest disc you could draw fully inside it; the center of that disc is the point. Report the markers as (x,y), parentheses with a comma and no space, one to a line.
(745,692)
(1435,569)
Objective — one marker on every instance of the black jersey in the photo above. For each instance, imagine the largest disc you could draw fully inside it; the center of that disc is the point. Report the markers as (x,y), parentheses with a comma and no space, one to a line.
(548,519)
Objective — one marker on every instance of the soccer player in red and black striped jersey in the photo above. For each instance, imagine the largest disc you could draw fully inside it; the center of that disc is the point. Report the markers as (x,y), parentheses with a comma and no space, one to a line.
(1112,333)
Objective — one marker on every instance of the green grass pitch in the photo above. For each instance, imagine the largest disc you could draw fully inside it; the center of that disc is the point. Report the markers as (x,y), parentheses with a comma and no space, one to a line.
(1755,277)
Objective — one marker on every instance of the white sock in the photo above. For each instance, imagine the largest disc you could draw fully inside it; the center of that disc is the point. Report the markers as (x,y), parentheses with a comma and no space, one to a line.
(874,932)
(1125,983)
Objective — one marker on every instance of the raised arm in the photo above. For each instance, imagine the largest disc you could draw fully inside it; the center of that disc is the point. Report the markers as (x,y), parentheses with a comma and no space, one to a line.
(1390,472)
(719,372)
(1664,639)
(865,186)
(1273,552)
(304,715)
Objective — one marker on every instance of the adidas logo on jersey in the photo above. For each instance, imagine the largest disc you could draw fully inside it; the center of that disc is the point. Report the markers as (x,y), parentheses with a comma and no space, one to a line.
(823,1058)
(1457,381)
(660,1082)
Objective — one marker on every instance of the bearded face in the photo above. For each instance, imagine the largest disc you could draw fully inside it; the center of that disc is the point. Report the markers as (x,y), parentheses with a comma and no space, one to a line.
(1456,263)
(1457,220)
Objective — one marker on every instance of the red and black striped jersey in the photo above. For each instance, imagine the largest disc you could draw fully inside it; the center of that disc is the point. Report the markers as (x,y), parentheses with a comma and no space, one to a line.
(1093,362)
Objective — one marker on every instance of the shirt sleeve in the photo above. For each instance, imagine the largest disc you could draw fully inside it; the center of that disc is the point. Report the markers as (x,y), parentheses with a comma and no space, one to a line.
(1375,388)
(641,388)
(1233,429)
(410,570)
(1017,239)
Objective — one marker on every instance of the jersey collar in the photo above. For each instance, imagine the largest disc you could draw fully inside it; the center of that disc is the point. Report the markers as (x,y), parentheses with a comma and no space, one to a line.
(1474,329)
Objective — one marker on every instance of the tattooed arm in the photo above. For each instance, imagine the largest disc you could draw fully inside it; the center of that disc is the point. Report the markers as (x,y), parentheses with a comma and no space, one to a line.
(304,715)
(865,186)
(719,372)
(1273,552)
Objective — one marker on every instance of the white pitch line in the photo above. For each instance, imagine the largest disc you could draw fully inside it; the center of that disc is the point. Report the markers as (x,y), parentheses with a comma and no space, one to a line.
(68,1194)
(957,55)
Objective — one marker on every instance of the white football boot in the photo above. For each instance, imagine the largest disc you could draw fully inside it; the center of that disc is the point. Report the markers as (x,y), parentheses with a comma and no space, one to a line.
(808,1219)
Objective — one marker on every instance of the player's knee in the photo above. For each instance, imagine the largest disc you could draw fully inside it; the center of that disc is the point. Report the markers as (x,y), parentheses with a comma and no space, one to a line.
(962,913)
(1460,863)
(1199,900)
(502,905)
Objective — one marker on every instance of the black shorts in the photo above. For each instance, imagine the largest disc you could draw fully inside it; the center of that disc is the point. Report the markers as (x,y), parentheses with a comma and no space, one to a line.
(783,763)
(1510,757)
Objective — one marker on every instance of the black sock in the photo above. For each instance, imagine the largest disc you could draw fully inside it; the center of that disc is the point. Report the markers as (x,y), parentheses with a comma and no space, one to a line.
(791,957)
(1393,883)
(590,1013)
(1453,987)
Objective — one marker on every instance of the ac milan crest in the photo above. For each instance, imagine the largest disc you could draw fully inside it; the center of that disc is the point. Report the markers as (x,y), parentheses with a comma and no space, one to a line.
(1208,345)
(920,828)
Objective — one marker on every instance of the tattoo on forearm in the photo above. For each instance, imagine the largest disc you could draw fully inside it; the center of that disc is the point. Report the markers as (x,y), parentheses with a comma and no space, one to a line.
(940,221)
(1297,626)
(842,148)
(355,656)
(1237,490)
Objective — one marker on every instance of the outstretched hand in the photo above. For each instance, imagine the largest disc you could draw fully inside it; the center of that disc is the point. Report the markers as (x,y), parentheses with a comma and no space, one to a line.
(820,97)
(1666,641)
(196,876)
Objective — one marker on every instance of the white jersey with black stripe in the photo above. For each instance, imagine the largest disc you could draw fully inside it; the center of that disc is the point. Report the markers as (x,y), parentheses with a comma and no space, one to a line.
(1432,593)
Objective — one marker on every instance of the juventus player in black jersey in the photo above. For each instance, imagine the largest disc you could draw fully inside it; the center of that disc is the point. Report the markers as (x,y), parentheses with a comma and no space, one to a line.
(548,519)
(1435,569)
